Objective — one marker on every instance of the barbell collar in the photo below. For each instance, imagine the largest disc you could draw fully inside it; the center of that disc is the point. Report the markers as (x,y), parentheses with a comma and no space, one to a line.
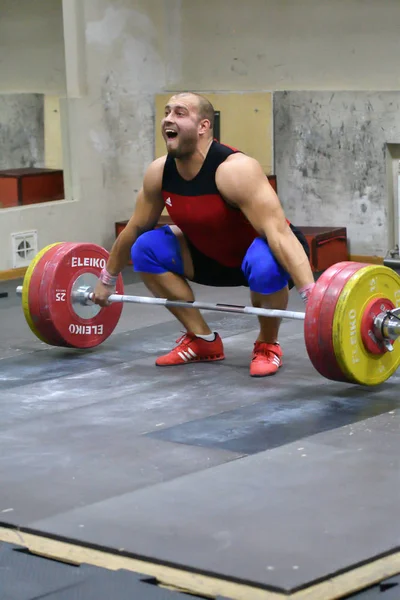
(387,327)
(390,327)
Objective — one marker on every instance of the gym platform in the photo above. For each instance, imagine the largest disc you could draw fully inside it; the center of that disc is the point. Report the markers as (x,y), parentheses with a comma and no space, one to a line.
(192,481)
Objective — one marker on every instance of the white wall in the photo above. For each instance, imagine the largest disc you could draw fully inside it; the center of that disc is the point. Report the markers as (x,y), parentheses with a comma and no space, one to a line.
(110,121)
(309,46)
(31,46)
(125,66)
(290,45)
(121,52)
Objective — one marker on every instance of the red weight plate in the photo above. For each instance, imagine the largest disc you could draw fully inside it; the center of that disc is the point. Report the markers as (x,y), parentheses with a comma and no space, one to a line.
(320,311)
(71,267)
(44,293)
(332,369)
(43,325)
(319,357)
(372,310)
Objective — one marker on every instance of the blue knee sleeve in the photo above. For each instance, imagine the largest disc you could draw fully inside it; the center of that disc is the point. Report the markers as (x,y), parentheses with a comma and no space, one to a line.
(263,272)
(157,251)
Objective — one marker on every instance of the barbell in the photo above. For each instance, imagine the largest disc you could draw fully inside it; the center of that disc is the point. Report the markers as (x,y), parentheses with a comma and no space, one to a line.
(351,321)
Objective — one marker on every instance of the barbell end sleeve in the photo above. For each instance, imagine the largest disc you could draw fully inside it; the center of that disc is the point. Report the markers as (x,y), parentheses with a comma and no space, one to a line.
(19,290)
(83,295)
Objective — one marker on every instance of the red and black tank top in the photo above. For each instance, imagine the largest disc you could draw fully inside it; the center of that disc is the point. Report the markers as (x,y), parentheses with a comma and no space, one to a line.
(217,229)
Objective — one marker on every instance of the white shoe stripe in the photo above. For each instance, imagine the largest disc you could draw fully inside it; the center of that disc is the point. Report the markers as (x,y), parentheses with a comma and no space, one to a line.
(192,353)
(183,357)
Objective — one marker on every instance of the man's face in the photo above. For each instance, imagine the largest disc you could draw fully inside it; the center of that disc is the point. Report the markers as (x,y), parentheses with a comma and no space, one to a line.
(180,126)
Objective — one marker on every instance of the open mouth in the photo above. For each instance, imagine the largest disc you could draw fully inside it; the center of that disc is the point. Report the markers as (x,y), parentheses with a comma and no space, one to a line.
(171,134)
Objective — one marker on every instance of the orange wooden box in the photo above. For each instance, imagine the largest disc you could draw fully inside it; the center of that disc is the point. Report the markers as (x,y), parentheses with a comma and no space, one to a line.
(328,245)
(19,187)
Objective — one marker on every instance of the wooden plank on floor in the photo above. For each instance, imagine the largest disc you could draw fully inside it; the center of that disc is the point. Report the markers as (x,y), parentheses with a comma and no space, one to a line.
(12,274)
(186,581)
(334,588)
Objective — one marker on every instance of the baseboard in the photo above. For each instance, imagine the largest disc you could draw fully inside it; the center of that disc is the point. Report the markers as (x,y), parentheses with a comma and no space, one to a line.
(373,260)
(12,274)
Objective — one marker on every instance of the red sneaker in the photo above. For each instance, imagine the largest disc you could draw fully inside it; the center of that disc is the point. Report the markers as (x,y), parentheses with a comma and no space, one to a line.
(266,359)
(190,349)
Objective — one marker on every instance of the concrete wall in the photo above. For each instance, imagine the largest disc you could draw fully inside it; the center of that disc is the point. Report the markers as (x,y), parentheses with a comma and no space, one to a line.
(21,131)
(31,46)
(53,153)
(290,45)
(125,69)
(330,160)
(332,45)
(120,53)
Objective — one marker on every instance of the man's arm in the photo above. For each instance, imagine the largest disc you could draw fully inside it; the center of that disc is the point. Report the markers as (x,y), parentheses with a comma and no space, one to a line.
(148,209)
(242,183)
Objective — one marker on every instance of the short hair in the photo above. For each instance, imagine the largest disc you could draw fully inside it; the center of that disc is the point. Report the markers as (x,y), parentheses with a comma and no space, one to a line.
(205,108)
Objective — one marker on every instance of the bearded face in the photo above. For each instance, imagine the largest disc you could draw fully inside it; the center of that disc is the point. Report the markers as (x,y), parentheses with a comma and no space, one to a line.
(180,127)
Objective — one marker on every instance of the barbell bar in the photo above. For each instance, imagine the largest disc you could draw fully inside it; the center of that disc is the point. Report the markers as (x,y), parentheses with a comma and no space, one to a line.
(386,323)
(351,321)
(85,294)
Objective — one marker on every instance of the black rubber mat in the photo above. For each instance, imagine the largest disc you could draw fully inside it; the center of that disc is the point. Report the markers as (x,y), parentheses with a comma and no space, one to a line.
(57,363)
(389,589)
(270,424)
(25,576)
(285,519)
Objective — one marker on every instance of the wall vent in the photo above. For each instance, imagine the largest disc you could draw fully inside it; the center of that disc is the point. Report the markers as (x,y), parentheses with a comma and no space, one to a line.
(24,248)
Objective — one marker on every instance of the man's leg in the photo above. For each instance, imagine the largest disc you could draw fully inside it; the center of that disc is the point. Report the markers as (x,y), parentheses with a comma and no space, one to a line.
(268,284)
(163,259)
(170,253)
(269,326)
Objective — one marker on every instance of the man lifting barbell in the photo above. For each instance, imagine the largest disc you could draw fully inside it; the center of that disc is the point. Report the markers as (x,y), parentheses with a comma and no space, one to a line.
(233,228)
(230,230)
(351,322)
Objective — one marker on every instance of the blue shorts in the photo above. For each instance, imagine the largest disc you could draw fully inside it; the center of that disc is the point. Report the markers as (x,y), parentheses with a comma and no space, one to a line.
(158,251)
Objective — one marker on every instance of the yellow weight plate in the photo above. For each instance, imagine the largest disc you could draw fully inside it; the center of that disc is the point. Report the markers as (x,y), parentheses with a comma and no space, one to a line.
(360,365)
(25,291)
